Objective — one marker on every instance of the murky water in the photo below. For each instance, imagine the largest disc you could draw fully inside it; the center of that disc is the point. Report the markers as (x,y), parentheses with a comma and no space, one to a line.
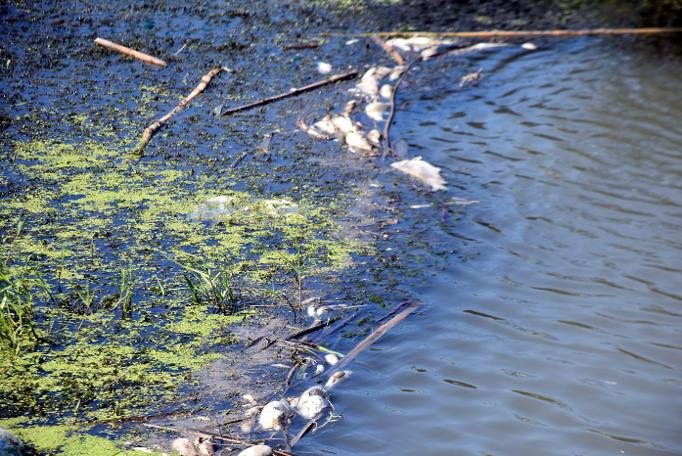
(555,327)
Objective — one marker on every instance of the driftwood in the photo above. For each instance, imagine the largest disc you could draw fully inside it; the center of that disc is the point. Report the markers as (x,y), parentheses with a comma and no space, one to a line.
(523,33)
(395,55)
(130,52)
(151,129)
(292,93)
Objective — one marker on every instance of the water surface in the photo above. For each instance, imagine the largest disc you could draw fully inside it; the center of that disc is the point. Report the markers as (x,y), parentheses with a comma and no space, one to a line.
(554,324)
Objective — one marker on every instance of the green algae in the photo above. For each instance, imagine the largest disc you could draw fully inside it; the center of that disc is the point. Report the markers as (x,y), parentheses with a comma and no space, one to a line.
(66,440)
(92,213)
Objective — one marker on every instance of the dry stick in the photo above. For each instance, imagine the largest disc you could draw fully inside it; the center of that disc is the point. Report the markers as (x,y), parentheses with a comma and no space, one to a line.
(524,33)
(374,336)
(395,55)
(292,92)
(131,52)
(391,114)
(305,45)
(206,435)
(151,129)
(303,432)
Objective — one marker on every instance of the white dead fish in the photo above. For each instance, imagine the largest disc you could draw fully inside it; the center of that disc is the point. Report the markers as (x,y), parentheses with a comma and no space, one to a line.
(331,358)
(350,107)
(324,68)
(423,171)
(184,447)
(326,126)
(396,72)
(204,446)
(529,46)
(317,312)
(376,110)
(319,369)
(311,131)
(252,411)
(386,91)
(249,398)
(343,124)
(357,143)
(369,83)
(374,136)
(416,43)
(257,450)
(312,402)
(335,379)
(273,415)
(351,41)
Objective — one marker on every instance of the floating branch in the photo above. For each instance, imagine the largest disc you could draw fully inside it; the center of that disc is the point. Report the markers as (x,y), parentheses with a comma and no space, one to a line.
(151,129)
(131,52)
(523,33)
(395,55)
(292,92)
(375,335)
(304,45)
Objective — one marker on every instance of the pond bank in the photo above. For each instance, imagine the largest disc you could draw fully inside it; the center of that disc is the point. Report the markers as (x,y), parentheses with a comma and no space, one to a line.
(124,249)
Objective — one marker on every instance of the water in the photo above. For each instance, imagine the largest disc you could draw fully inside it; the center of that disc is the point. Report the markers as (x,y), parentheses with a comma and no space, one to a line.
(555,327)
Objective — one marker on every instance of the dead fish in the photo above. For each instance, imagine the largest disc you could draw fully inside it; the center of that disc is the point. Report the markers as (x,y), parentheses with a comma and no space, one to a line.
(204,446)
(312,402)
(343,124)
(184,447)
(386,91)
(369,83)
(376,110)
(311,131)
(470,78)
(273,415)
(317,312)
(257,450)
(331,358)
(416,43)
(374,136)
(423,171)
(357,143)
(319,369)
(350,107)
(529,46)
(335,379)
(396,72)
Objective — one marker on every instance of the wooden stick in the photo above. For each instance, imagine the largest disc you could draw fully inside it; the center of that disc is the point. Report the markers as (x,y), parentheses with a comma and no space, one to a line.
(395,55)
(292,92)
(146,58)
(374,336)
(523,33)
(206,435)
(304,45)
(391,114)
(151,129)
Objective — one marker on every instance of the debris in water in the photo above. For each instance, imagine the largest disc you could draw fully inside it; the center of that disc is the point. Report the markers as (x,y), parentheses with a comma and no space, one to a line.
(257,450)
(184,447)
(386,91)
(336,378)
(374,136)
(529,46)
(319,369)
(470,78)
(462,201)
(249,398)
(350,107)
(273,415)
(331,358)
(376,110)
(312,402)
(324,68)
(423,171)
(204,446)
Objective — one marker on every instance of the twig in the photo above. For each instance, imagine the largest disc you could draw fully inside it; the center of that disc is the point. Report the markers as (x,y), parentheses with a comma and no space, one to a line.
(130,52)
(303,432)
(238,160)
(206,435)
(151,129)
(304,45)
(311,329)
(292,92)
(523,33)
(395,55)
(374,336)
(391,114)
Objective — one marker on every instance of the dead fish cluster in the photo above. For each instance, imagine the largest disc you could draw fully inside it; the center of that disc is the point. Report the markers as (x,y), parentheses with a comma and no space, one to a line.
(200,447)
